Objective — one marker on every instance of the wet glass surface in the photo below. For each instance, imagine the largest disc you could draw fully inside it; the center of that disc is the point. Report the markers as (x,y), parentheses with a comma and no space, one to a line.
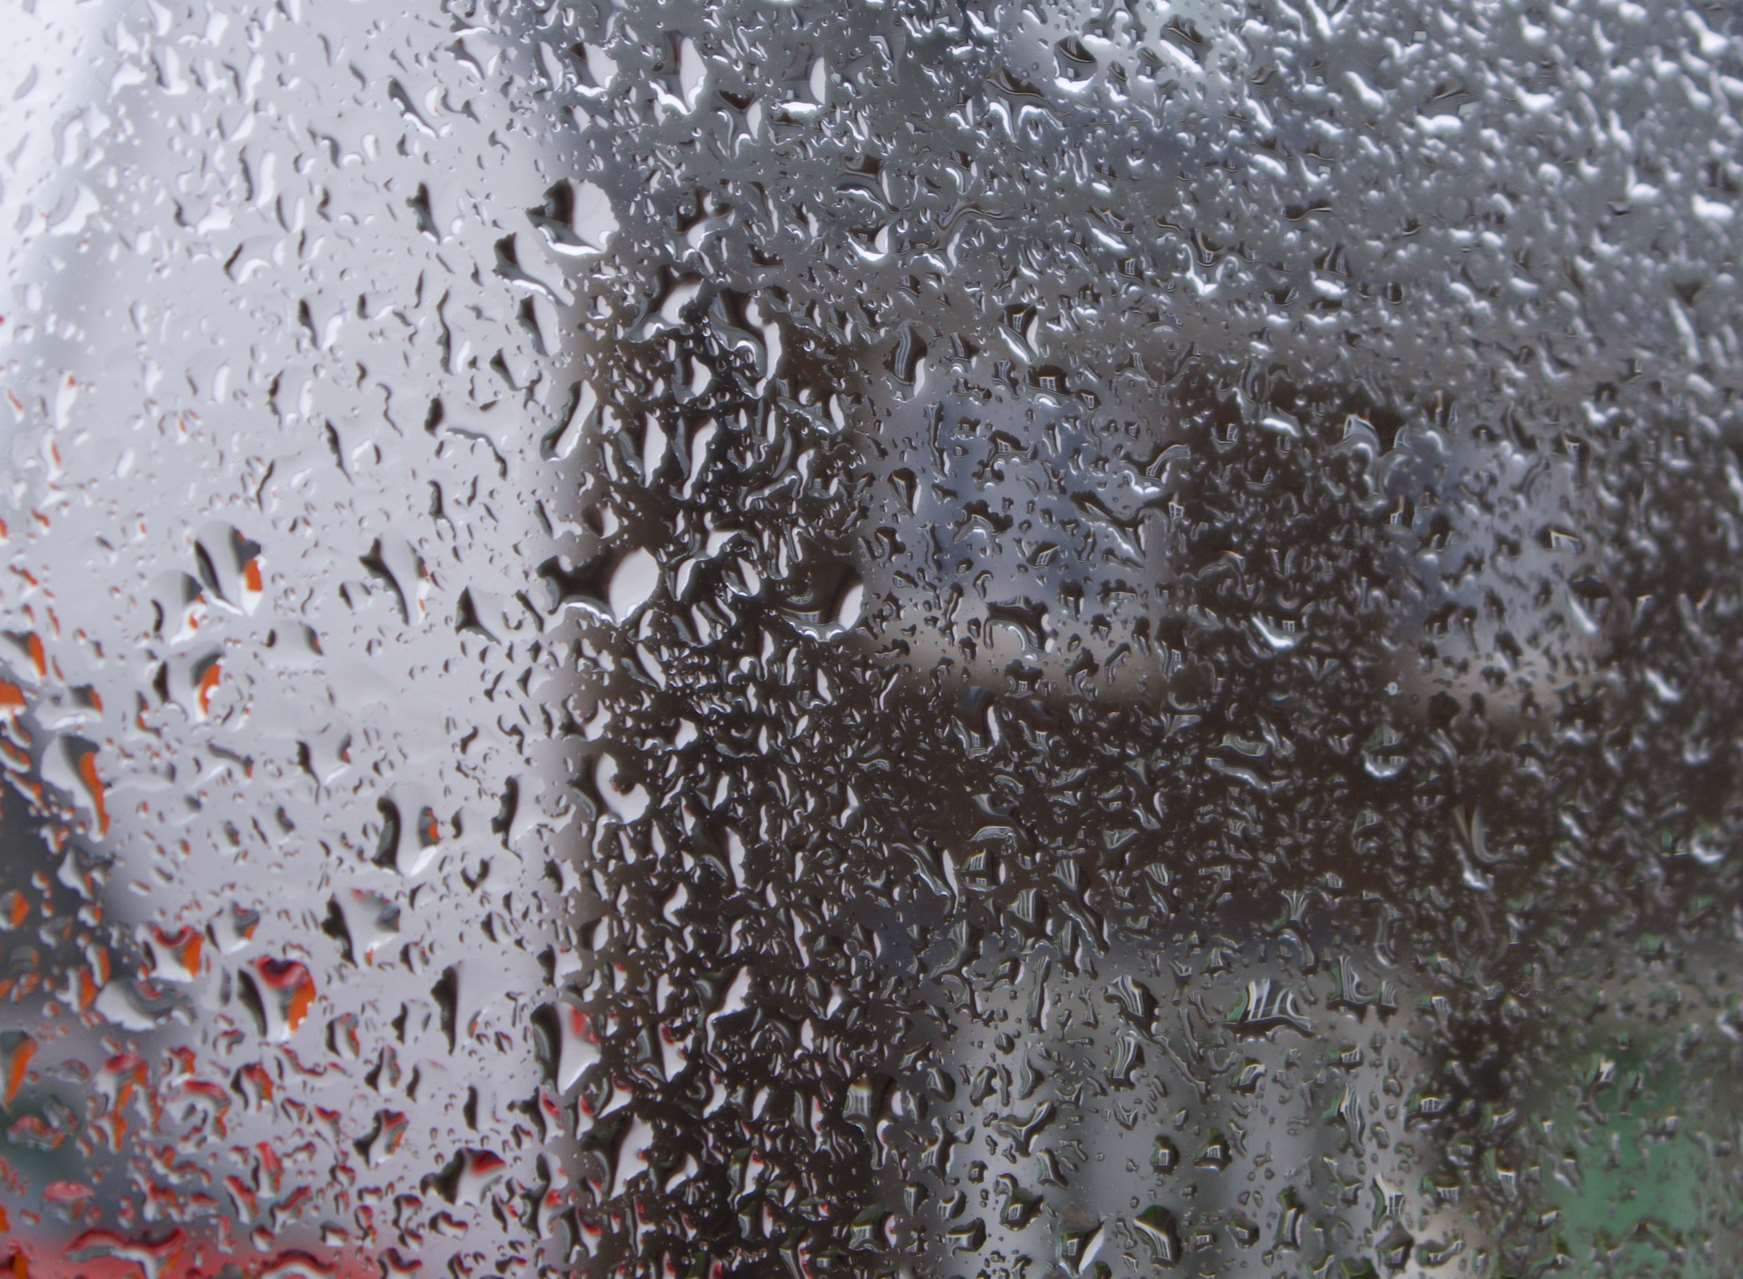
(876,639)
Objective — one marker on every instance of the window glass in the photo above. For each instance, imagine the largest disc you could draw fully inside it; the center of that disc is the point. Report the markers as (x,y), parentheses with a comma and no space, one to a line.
(884,638)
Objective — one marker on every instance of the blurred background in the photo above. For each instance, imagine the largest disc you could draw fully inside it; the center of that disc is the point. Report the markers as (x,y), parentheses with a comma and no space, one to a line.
(906,639)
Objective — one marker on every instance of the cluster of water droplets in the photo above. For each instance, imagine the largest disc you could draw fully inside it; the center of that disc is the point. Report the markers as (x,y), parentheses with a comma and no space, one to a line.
(747,639)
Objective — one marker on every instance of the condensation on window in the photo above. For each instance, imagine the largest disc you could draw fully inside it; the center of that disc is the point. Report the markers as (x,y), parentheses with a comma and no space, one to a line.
(872,639)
